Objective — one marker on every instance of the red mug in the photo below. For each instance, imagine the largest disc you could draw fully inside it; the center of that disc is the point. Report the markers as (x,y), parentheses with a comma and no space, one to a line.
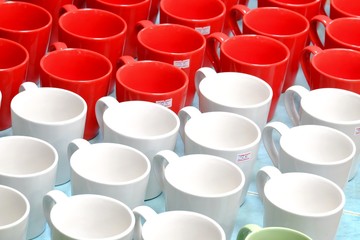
(257,55)
(331,68)
(29,25)
(151,81)
(94,29)
(81,71)
(287,26)
(339,33)
(131,11)
(14,60)
(344,8)
(53,7)
(307,8)
(175,44)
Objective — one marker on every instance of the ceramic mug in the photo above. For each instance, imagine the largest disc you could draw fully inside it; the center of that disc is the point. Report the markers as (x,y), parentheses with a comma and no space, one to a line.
(29,165)
(131,11)
(284,25)
(87,216)
(331,107)
(234,92)
(331,68)
(109,169)
(145,126)
(305,202)
(51,114)
(94,29)
(341,8)
(152,81)
(81,71)
(32,31)
(176,44)
(14,61)
(315,149)
(202,183)
(15,209)
(257,55)
(339,33)
(182,224)
(255,232)
(224,134)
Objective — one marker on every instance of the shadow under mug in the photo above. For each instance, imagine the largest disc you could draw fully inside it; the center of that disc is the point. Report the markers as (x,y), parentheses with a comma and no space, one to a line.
(152,81)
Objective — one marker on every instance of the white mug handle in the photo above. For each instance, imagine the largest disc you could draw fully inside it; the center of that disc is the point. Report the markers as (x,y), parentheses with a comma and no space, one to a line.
(270,142)
(26,86)
(160,161)
(101,106)
(141,212)
(49,200)
(75,145)
(185,114)
(290,96)
(202,73)
(264,175)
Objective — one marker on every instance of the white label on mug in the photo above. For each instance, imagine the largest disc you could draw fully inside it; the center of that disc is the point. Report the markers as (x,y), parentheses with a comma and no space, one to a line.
(243,157)
(165,103)
(357,131)
(203,30)
(182,63)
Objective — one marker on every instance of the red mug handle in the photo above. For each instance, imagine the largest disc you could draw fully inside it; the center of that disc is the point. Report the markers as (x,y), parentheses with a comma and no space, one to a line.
(125,59)
(213,41)
(143,24)
(57,46)
(305,60)
(322,7)
(67,8)
(314,34)
(236,13)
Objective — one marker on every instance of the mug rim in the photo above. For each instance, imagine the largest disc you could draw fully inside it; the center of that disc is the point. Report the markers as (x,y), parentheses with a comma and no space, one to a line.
(334,38)
(19,46)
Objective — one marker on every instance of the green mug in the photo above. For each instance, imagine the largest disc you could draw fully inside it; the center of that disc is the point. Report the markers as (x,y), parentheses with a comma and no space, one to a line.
(255,232)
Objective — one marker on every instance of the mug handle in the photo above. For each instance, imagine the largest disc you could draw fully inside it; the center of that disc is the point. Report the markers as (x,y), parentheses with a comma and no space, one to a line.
(125,59)
(322,7)
(202,73)
(264,175)
(27,86)
(143,24)
(49,200)
(290,96)
(246,230)
(184,115)
(269,140)
(141,212)
(75,145)
(100,107)
(67,8)
(213,42)
(160,161)
(305,60)
(313,31)
(57,46)
(236,13)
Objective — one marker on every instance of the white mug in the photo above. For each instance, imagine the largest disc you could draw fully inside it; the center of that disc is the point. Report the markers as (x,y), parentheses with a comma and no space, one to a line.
(202,183)
(14,217)
(109,169)
(87,216)
(29,165)
(302,201)
(180,225)
(235,92)
(332,107)
(224,134)
(51,114)
(145,126)
(315,149)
